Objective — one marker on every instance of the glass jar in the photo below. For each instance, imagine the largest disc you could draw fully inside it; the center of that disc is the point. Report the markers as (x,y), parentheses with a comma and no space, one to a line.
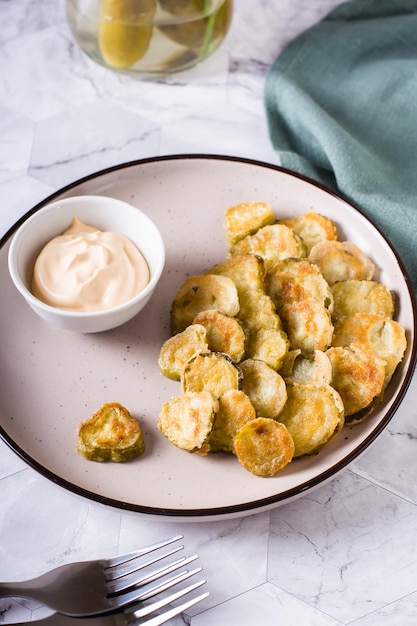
(149,37)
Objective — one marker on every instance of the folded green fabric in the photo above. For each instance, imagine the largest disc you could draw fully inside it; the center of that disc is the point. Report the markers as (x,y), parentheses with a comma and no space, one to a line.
(341,106)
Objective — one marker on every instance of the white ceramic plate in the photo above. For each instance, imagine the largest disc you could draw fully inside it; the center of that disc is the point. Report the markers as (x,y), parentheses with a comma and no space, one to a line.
(52,379)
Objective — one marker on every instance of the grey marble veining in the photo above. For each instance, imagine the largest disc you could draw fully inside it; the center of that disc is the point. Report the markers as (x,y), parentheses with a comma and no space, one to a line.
(342,555)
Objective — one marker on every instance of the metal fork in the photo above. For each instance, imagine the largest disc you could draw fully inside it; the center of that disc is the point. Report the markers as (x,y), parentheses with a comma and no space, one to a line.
(105,585)
(132,617)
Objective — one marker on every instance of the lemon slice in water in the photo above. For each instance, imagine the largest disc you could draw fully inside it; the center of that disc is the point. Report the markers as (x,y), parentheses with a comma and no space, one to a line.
(125,30)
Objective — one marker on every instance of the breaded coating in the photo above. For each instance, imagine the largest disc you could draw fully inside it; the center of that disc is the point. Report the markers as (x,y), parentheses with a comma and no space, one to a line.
(358,376)
(313,370)
(264,386)
(213,372)
(257,311)
(200,293)
(273,243)
(177,350)
(294,280)
(373,332)
(110,434)
(308,326)
(280,344)
(268,345)
(235,410)
(362,296)
(312,227)
(264,447)
(187,420)
(224,333)
(246,270)
(245,219)
(341,260)
(313,415)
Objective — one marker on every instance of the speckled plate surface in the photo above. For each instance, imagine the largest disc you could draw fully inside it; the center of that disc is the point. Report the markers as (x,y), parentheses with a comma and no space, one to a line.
(52,379)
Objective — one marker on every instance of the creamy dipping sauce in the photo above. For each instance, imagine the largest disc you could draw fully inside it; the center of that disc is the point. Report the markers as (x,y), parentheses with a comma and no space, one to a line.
(86,269)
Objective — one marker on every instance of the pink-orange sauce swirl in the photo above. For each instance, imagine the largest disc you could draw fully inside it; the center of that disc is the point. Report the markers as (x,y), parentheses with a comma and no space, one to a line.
(86,269)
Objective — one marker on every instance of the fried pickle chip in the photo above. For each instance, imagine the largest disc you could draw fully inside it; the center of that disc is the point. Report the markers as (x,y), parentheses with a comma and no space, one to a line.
(110,434)
(314,370)
(177,350)
(362,296)
(313,415)
(245,219)
(200,293)
(268,345)
(383,336)
(257,311)
(341,260)
(213,371)
(264,447)
(290,337)
(358,376)
(224,333)
(187,420)
(235,410)
(246,270)
(308,325)
(294,280)
(264,386)
(312,227)
(273,243)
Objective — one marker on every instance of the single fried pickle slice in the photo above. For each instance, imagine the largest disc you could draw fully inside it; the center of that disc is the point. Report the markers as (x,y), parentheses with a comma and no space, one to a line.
(312,227)
(308,326)
(235,410)
(224,333)
(264,446)
(341,260)
(257,311)
(272,243)
(110,434)
(383,336)
(268,345)
(177,350)
(246,270)
(212,371)
(358,376)
(264,386)
(187,420)
(294,280)
(313,415)
(314,370)
(200,293)
(362,296)
(245,219)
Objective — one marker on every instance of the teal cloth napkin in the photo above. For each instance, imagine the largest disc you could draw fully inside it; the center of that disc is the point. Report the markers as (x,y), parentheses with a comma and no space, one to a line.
(341,107)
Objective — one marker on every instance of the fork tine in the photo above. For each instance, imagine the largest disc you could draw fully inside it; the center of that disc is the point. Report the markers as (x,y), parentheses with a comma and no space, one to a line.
(124,558)
(121,585)
(116,573)
(139,595)
(160,604)
(165,617)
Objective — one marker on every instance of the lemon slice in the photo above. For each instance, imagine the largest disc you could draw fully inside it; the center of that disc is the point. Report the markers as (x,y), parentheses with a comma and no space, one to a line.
(201,27)
(125,30)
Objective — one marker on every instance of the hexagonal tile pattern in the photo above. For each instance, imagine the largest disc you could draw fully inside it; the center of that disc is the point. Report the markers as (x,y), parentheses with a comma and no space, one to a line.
(342,555)
(87,139)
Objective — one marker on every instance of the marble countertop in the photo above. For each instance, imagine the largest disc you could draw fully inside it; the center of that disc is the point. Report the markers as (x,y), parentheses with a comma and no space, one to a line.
(343,554)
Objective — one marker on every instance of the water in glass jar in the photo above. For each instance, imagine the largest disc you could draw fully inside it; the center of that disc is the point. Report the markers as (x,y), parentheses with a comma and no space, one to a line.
(149,36)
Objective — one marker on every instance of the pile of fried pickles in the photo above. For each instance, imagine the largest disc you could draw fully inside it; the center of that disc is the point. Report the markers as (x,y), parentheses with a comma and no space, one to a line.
(279,346)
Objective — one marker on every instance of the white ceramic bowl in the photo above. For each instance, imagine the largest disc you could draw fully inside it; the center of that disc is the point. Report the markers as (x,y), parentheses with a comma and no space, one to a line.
(107,214)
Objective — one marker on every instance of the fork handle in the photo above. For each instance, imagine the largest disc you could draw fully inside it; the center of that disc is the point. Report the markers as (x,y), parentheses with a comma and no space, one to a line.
(20,590)
(31,589)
